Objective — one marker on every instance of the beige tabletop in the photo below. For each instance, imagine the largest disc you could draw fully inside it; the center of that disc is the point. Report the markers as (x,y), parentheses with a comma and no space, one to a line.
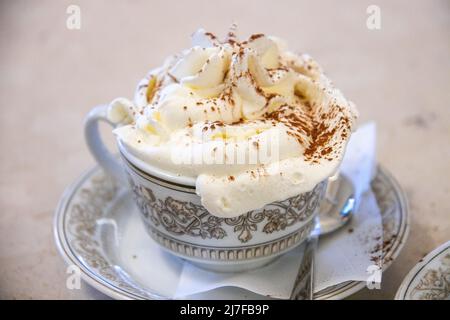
(50,76)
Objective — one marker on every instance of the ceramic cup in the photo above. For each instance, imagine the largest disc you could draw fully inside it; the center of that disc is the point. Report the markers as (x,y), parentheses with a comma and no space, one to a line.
(174,217)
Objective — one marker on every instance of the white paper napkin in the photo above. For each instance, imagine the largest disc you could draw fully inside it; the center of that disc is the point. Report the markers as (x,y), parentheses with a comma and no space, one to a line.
(348,253)
(342,256)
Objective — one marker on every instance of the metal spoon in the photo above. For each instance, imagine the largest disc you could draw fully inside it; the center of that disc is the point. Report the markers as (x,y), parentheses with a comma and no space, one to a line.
(334,212)
(338,206)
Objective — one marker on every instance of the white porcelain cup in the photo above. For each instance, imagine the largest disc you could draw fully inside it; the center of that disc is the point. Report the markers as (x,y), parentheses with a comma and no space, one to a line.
(174,217)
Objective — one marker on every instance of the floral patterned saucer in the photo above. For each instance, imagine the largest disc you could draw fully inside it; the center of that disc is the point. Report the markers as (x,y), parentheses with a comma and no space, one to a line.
(97,228)
(430,278)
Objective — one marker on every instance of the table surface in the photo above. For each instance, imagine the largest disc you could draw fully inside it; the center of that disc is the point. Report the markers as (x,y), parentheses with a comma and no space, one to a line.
(399,76)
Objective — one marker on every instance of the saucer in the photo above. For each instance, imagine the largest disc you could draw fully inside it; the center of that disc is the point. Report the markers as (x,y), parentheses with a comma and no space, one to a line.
(97,228)
(430,278)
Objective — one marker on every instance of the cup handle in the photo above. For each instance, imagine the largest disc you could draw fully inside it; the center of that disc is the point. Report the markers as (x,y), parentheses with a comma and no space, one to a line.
(104,157)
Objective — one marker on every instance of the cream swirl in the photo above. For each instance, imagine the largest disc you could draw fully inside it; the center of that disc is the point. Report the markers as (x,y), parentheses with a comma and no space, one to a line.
(238,97)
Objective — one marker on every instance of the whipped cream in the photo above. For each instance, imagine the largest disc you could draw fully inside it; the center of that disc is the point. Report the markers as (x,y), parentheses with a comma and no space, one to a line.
(252,122)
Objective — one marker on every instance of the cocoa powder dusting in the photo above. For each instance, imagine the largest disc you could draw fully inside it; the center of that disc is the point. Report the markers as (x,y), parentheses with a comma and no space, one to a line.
(255,36)
(313,128)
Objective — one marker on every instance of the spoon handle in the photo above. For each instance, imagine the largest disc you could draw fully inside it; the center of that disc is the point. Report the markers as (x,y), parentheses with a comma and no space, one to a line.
(304,282)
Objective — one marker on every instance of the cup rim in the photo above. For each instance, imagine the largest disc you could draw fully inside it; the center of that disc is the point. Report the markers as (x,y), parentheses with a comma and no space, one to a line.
(155,171)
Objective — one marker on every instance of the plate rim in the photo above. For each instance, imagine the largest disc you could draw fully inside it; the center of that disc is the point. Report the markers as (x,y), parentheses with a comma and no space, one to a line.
(111,290)
(66,252)
(418,267)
